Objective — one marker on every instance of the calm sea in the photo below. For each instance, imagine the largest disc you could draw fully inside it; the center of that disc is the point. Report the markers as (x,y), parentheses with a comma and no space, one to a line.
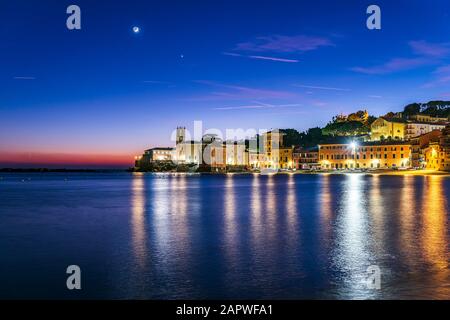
(160,236)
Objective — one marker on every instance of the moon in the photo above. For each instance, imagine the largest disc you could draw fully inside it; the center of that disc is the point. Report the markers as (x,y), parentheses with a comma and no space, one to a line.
(136,29)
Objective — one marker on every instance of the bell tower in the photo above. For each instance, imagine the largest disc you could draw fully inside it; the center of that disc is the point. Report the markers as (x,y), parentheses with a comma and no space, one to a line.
(181,135)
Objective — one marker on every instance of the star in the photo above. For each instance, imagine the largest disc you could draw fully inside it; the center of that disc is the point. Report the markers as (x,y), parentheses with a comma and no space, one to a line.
(136,29)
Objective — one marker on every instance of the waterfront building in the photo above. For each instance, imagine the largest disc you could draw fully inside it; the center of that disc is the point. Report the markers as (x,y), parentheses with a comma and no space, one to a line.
(437,154)
(367,155)
(419,144)
(154,155)
(415,129)
(388,128)
(285,158)
(236,154)
(211,153)
(427,118)
(256,159)
(306,158)
(159,154)
(276,155)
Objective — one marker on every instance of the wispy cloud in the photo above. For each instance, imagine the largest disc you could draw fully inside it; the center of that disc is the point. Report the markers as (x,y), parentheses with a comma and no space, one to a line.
(375,96)
(276,59)
(258,105)
(443,70)
(284,44)
(24,78)
(441,76)
(236,92)
(320,87)
(156,82)
(393,65)
(426,53)
(425,48)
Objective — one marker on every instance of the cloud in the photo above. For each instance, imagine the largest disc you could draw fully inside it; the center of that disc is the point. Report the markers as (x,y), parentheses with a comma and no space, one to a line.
(426,54)
(375,96)
(232,54)
(236,92)
(156,82)
(442,76)
(443,70)
(320,88)
(284,44)
(24,78)
(259,105)
(424,48)
(276,59)
(393,65)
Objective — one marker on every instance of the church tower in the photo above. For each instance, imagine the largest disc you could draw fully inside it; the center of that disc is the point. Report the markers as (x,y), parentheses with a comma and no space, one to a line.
(181,135)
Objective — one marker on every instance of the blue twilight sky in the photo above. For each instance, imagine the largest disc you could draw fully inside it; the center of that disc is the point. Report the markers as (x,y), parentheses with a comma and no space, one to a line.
(108,92)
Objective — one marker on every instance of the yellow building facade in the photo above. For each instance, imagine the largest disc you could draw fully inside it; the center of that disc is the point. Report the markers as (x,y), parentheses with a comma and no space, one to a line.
(276,156)
(365,156)
(437,154)
(383,128)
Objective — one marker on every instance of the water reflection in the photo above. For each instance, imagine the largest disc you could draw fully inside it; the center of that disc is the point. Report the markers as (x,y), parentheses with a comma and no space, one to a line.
(377,213)
(179,217)
(435,223)
(352,256)
(161,207)
(326,209)
(361,221)
(407,219)
(139,231)
(230,224)
(292,210)
(255,211)
(271,208)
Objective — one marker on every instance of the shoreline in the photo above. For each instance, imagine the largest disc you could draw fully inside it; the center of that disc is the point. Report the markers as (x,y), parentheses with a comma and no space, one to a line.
(383,172)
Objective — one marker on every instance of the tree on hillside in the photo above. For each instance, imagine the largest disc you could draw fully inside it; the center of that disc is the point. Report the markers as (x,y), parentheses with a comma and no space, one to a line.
(411,109)
(349,128)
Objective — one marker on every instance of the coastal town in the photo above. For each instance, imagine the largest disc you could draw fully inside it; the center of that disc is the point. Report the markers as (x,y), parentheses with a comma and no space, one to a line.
(416,139)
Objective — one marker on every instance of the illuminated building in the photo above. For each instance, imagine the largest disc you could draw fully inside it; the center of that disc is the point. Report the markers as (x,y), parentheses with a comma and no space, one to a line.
(276,155)
(384,128)
(415,129)
(419,144)
(154,155)
(306,159)
(437,154)
(367,155)
(426,118)
(211,153)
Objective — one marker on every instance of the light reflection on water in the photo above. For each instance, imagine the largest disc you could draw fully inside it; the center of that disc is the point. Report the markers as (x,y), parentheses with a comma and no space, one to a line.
(435,218)
(139,233)
(233,236)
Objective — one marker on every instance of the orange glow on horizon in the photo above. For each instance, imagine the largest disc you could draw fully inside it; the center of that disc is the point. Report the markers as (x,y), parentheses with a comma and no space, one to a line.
(61,160)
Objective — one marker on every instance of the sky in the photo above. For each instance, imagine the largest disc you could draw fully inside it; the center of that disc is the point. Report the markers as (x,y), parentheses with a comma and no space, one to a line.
(98,96)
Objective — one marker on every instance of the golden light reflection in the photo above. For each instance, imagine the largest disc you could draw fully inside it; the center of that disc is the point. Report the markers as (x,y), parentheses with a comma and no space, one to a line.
(161,213)
(435,224)
(353,237)
(179,209)
(231,226)
(291,208)
(255,219)
(325,204)
(407,219)
(271,207)
(377,212)
(139,235)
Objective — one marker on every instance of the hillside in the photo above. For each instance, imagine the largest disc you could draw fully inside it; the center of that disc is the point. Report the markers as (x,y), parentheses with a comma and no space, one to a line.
(438,108)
